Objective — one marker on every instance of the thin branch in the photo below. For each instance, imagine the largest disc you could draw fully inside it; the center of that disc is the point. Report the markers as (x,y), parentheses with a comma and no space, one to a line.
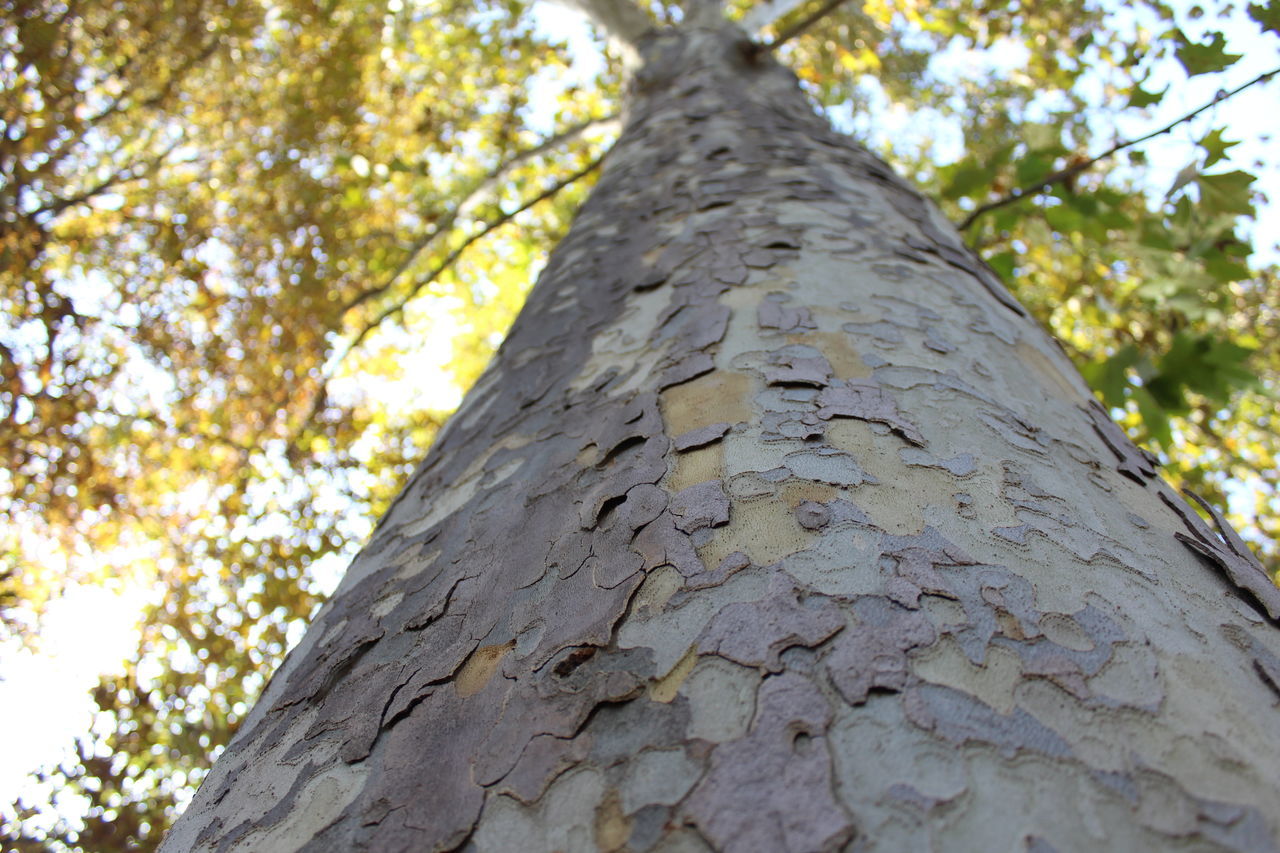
(453,256)
(570,134)
(77,130)
(767,12)
(327,372)
(1074,169)
(486,186)
(123,175)
(802,25)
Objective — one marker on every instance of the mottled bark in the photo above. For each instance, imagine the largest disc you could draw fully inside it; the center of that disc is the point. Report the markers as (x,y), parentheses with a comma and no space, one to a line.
(776,525)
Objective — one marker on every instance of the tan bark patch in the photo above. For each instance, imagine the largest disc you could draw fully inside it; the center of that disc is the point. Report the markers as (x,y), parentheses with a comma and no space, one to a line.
(835,347)
(665,688)
(762,528)
(896,503)
(993,682)
(656,591)
(696,466)
(796,492)
(612,827)
(719,396)
(479,668)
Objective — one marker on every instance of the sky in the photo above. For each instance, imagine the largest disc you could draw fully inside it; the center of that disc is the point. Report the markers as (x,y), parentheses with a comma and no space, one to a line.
(44,695)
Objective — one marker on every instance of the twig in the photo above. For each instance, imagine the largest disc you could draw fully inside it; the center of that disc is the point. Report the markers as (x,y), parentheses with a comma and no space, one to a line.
(453,256)
(485,186)
(125,174)
(80,128)
(566,135)
(330,368)
(1076,168)
(801,26)
(768,12)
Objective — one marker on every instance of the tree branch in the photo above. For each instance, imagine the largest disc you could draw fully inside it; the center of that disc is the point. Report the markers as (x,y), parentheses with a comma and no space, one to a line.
(453,256)
(123,175)
(802,25)
(623,20)
(486,186)
(569,134)
(328,370)
(1074,169)
(765,13)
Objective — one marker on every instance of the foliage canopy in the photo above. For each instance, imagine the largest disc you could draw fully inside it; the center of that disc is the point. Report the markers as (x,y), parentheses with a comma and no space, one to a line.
(240,239)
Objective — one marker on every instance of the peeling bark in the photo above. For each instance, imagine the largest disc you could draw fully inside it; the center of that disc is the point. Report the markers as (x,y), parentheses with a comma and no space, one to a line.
(775,525)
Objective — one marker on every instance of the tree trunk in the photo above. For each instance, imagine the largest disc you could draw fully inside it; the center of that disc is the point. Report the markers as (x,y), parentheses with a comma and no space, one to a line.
(775,525)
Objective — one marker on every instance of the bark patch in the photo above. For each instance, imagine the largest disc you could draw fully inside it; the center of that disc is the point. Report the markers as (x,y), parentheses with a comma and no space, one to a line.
(479,668)
(772,790)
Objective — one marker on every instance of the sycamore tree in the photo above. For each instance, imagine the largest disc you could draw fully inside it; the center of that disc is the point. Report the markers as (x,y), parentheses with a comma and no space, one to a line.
(226,227)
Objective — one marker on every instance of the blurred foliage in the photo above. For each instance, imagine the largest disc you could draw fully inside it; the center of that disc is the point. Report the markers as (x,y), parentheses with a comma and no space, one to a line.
(250,249)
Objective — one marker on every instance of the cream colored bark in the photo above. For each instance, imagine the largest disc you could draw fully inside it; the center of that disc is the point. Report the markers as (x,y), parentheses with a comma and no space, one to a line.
(775,525)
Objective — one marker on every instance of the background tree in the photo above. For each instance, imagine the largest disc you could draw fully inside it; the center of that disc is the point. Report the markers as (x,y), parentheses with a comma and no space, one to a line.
(205,239)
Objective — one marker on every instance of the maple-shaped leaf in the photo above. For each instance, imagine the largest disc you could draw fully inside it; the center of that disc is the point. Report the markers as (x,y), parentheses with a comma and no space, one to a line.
(1266,16)
(1204,58)
(1140,97)
(1226,193)
(1215,146)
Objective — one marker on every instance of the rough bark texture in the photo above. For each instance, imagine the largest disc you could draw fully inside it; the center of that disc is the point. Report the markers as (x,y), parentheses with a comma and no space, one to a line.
(776,525)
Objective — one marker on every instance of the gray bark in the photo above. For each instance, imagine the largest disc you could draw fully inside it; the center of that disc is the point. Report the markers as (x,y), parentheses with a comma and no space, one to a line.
(775,525)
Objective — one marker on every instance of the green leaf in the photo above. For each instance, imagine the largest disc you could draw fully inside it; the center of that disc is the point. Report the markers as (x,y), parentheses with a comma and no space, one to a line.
(1110,217)
(1086,204)
(1215,146)
(1043,137)
(1267,17)
(1008,218)
(1153,417)
(966,179)
(1185,176)
(1204,58)
(1064,219)
(1156,236)
(1004,264)
(1033,168)
(1226,270)
(1202,365)
(1110,376)
(1140,97)
(1228,193)
(1229,370)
